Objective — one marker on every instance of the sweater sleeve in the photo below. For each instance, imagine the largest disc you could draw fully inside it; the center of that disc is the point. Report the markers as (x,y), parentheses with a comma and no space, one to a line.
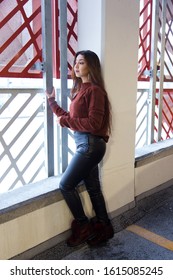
(95,101)
(56,109)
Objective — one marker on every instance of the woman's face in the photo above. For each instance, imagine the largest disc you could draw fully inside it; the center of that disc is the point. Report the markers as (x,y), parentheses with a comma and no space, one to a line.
(81,68)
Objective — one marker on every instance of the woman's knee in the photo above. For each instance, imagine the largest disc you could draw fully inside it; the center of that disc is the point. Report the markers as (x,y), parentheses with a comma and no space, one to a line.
(65,187)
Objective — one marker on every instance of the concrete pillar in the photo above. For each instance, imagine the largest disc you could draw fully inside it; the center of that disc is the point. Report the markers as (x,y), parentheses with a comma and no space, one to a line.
(110,28)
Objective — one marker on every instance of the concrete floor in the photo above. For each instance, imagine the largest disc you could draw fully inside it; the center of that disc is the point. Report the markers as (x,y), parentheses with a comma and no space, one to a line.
(153,217)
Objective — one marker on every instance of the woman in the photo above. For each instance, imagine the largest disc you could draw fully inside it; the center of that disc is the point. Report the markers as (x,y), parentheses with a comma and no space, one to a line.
(89,118)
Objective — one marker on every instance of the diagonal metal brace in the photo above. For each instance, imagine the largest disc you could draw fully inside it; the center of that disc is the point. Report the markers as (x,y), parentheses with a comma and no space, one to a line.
(39,66)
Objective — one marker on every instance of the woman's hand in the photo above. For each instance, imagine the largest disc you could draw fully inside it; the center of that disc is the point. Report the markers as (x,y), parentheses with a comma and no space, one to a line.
(52,94)
(58,120)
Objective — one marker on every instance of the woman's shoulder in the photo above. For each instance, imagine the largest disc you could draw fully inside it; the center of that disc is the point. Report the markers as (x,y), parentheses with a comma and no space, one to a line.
(96,88)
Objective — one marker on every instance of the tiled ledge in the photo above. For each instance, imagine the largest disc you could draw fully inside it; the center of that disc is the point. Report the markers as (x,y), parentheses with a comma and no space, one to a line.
(26,199)
(153,152)
(30,197)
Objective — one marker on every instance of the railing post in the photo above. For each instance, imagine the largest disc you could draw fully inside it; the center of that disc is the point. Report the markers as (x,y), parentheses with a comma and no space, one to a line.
(63,76)
(161,76)
(48,82)
(153,59)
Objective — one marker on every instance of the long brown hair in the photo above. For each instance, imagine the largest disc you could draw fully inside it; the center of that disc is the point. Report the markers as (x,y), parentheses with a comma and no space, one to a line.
(96,78)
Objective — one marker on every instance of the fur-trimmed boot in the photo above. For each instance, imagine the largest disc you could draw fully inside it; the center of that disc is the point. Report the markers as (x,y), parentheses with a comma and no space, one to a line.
(80,233)
(103,232)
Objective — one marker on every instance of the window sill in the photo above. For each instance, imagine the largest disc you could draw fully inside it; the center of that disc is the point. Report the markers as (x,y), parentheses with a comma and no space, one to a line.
(29,198)
(153,152)
(26,199)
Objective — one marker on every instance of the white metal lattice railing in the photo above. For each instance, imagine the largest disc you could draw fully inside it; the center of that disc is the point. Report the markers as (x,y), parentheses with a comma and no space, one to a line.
(22,155)
(142,114)
(143,109)
(23,136)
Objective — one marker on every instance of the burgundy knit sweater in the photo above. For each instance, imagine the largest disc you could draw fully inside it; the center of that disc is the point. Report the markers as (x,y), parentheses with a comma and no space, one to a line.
(87,111)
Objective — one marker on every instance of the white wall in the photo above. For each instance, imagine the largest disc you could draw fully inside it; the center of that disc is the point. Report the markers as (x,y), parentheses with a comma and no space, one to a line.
(153,174)
(29,230)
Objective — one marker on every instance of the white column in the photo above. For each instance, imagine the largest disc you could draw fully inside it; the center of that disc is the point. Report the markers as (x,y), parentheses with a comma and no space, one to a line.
(90,25)
(111,28)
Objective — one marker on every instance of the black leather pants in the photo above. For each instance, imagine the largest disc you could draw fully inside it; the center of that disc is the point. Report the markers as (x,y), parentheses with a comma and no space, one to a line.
(84,167)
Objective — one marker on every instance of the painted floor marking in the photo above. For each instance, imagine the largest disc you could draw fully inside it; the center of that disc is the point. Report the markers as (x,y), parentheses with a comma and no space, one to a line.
(153,237)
